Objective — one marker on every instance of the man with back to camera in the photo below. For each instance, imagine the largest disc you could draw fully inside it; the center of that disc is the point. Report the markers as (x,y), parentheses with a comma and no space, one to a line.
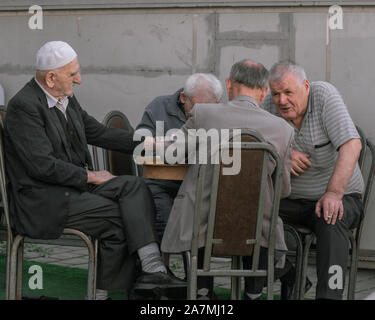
(53,186)
(326,180)
(247,87)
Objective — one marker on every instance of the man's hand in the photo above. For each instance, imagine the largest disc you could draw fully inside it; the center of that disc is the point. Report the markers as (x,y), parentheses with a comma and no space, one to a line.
(99,177)
(300,162)
(331,204)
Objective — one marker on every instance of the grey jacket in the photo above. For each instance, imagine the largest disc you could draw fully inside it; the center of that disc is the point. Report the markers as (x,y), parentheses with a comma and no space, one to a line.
(242,112)
(168,109)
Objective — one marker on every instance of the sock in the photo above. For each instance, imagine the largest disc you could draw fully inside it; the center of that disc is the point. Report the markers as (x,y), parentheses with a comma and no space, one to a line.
(151,258)
(253,296)
(203,291)
(101,294)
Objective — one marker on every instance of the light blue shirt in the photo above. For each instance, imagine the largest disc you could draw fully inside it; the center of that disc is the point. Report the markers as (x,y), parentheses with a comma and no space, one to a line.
(61,104)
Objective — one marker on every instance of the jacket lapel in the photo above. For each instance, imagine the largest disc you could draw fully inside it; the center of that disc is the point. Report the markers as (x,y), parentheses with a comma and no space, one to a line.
(52,116)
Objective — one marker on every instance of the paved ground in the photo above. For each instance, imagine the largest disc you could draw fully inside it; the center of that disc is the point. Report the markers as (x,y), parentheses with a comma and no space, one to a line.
(77,257)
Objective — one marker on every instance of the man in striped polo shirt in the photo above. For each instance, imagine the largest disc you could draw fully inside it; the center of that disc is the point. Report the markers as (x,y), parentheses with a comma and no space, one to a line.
(326,181)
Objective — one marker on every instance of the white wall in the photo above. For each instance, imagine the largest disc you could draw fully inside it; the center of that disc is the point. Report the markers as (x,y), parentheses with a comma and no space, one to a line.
(128,57)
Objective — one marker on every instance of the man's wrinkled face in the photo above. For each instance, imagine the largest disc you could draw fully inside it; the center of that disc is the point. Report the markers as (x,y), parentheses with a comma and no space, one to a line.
(290,96)
(66,77)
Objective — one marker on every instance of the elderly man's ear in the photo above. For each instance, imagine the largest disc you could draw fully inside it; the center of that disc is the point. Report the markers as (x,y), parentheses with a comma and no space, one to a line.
(50,79)
(182,97)
(228,84)
(263,94)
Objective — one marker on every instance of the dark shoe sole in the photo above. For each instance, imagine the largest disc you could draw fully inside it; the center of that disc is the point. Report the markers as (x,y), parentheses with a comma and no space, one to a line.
(151,286)
(157,293)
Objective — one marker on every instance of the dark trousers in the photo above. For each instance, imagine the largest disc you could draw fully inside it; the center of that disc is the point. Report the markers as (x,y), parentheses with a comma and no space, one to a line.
(255,285)
(163,192)
(332,242)
(120,214)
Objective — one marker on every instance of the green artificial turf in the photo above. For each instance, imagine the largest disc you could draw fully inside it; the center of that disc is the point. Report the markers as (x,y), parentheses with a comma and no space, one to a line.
(67,283)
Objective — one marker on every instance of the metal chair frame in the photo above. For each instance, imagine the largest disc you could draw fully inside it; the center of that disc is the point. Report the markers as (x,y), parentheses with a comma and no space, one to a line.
(304,236)
(14,255)
(236,272)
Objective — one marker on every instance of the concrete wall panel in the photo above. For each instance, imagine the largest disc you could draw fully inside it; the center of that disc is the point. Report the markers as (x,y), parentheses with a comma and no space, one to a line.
(248,22)
(310,51)
(230,54)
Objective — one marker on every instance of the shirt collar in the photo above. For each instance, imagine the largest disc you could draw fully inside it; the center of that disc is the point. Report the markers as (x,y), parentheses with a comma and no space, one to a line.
(52,101)
(246,98)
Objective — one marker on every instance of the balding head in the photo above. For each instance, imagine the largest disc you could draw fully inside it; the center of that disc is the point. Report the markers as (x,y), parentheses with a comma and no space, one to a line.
(250,74)
(248,78)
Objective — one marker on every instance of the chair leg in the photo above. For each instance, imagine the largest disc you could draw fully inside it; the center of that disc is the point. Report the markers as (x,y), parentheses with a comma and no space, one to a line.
(299,259)
(8,265)
(236,281)
(166,258)
(270,273)
(91,279)
(308,240)
(187,258)
(92,265)
(353,269)
(192,278)
(14,267)
(96,248)
(19,271)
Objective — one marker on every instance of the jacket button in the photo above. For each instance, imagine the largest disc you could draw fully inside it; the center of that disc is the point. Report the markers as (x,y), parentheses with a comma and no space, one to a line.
(67,194)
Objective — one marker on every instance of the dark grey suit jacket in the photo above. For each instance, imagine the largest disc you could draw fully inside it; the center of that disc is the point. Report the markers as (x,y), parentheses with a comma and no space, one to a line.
(38,160)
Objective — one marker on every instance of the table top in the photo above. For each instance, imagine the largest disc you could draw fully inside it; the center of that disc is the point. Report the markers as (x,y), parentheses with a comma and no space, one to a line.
(155,169)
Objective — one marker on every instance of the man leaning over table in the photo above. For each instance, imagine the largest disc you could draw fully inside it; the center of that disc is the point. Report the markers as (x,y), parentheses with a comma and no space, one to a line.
(326,180)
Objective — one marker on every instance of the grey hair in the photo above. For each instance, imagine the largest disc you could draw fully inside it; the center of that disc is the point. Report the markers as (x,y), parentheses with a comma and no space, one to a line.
(279,69)
(249,73)
(198,82)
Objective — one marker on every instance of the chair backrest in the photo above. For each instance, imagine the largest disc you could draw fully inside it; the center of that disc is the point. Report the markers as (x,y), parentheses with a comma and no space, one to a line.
(116,162)
(237,201)
(3,186)
(366,163)
(364,147)
(368,175)
(238,207)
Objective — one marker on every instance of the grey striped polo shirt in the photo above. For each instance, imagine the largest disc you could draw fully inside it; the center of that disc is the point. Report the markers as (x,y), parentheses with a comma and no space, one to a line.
(326,126)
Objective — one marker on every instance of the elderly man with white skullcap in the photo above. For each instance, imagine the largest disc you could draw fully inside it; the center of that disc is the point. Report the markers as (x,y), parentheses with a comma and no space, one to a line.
(53,185)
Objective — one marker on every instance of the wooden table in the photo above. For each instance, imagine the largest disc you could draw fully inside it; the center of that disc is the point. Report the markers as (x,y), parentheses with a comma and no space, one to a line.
(156,170)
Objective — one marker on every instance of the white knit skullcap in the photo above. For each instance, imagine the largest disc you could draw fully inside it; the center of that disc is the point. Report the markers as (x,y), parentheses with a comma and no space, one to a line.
(53,55)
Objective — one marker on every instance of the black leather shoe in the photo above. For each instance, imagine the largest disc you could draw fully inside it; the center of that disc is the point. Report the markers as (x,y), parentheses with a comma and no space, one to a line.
(159,284)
